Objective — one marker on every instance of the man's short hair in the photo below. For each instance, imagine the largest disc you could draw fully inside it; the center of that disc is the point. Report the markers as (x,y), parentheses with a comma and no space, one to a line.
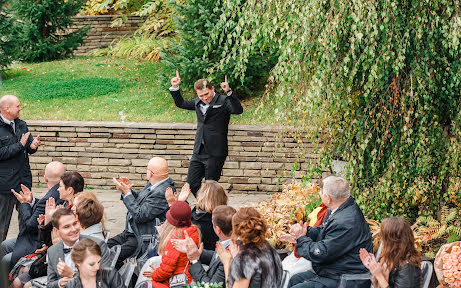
(201,84)
(222,217)
(336,187)
(58,214)
(89,212)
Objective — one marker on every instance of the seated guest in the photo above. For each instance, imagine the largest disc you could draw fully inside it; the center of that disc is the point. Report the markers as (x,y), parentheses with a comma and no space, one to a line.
(210,195)
(29,210)
(70,185)
(333,247)
(144,206)
(86,255)
(222,225)
(255,263)
(399,265)
(61,268)
(90,215)
(176,226)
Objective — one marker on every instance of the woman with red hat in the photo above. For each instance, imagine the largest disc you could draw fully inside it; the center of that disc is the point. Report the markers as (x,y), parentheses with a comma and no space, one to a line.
(177,225)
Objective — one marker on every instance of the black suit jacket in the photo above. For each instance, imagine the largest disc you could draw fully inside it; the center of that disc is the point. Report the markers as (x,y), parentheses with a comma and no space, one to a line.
(212,127)
(14,158)
(28,238)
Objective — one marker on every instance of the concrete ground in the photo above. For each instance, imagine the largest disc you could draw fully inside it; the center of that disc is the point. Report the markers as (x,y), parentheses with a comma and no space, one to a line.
(115,211)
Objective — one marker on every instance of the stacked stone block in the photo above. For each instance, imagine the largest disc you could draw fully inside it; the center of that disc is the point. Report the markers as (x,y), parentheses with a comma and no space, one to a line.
(101,34)
(260,158)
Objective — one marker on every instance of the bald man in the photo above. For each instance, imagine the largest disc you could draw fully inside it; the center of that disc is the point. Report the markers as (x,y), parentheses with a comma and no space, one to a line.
(29,210)
(16,144)
(144,207)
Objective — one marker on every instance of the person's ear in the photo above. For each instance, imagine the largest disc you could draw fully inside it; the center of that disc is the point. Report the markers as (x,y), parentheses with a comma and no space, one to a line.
(46,178)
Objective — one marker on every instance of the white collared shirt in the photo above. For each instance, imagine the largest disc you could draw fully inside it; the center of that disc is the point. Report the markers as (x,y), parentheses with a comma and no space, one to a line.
(68,258)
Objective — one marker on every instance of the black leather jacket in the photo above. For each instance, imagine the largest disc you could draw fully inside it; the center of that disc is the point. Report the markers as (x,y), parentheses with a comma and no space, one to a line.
(408,276)
(106,278)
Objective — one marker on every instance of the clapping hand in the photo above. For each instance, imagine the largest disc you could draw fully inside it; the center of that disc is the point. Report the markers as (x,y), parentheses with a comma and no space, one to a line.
(176,80)
(171,196)
(225,85)
(366,257)
(50,208)
(298,230)
(224,254)
(124,185)
(64,270)
(288,238)
(149,273)
(24,196)
(35,143)
(41,219)
(24,139)
(188,246)
(185,192)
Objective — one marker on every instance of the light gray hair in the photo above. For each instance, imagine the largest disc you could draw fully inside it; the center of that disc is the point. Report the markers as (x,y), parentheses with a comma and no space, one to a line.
(336,187)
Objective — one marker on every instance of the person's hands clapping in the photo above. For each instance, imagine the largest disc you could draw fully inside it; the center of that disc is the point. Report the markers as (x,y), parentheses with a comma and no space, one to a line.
(50,208)
(24,139)
(24,196)
(176,80)
(64,270)
(35,143)
(224,254)
(170,196)
(299,229)
(288,238)
(41,219)
(123,184)
(185,192)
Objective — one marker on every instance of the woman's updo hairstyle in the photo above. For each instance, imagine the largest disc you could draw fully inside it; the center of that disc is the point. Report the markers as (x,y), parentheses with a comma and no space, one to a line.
(248,224)
(79,251)
(74,180)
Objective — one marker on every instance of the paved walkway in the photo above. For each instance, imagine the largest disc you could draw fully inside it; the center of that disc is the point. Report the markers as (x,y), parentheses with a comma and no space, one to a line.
(115,211)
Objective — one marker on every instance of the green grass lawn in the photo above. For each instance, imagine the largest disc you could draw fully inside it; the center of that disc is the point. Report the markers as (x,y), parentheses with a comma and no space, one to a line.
(99,88)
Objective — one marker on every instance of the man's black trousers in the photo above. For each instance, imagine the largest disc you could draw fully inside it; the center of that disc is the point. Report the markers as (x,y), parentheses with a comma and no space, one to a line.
(203,166)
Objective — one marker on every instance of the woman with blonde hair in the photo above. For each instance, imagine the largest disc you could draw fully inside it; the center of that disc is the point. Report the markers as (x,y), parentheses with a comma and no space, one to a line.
(210,196)
(177,225)
(400,263)
(86,255)
(254,263)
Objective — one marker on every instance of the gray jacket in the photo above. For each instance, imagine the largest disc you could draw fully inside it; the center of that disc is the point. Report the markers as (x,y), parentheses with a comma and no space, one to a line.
(56,251)
(106,278)
(144,206)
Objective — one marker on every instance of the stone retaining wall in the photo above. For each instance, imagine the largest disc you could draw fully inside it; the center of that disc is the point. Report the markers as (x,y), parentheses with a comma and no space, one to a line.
(102,150)
(101,34)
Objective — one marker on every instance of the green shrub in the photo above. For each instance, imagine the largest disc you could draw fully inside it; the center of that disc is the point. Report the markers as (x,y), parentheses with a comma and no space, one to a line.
(194,59)
(8,37)
(42,25)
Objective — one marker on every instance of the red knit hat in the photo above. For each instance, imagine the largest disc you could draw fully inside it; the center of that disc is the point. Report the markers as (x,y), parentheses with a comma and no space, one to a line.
(179,214)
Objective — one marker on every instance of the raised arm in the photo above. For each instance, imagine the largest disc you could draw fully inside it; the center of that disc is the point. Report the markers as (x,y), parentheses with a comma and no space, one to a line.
(176,94)
(232,102)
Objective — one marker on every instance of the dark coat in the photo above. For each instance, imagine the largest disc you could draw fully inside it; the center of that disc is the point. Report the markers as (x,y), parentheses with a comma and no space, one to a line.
(212,127)
(144,206)
(56,251)
(28,238)
(203,221)
(408,276)
(334,247)
(14,158)
(215,272)
(106,278)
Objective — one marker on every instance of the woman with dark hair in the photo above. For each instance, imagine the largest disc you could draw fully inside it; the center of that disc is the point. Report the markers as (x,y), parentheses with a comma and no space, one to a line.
(70,185)
(86,255)
(255,262)
(400,262)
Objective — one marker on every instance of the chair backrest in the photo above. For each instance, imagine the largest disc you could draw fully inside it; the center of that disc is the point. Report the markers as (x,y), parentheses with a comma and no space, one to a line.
(114,254)
(426,273)
(126,272)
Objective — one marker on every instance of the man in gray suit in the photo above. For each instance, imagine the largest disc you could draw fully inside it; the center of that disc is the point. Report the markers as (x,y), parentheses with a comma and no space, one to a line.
(144,206)
(61,268)
(222,225)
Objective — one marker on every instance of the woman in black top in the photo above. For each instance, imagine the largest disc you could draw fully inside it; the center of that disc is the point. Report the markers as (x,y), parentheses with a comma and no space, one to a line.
(255,263)
(400,263)
(86,255)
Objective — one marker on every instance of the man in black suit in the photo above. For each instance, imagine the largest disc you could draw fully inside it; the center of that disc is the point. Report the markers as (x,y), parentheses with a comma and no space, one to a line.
(213,114)
(29,210)
(16,143)
(144,207)
(222,225)
(61,268)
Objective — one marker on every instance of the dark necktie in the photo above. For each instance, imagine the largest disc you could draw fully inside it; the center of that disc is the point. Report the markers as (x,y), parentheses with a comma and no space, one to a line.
(12,127)
(67,250)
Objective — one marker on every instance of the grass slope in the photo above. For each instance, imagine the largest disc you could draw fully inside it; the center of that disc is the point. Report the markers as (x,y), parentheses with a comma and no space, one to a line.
(100,88)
